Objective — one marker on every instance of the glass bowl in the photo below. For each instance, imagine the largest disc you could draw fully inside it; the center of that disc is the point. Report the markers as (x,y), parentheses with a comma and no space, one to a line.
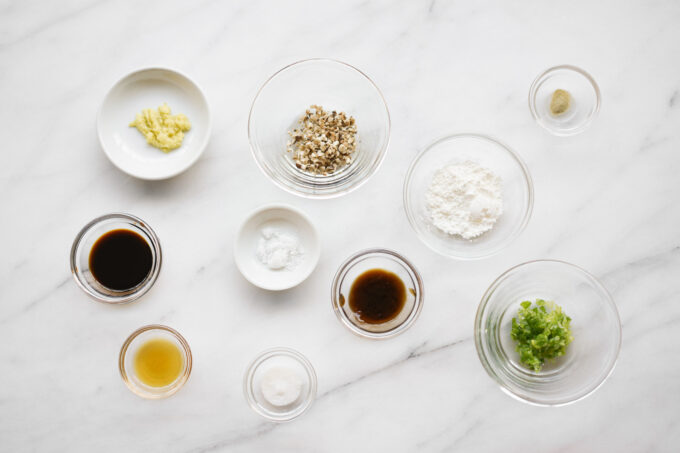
(518,194)
(287,359)
(595,327)
(334,85)
(388,260)
(127,355)
(585,100)
(80,257)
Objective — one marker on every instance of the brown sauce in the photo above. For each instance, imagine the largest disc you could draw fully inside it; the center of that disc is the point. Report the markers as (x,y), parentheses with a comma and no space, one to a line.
(120,259)
(377,296)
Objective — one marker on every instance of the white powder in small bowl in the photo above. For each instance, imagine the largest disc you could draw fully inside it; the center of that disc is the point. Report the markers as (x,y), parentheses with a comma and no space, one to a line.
(278,249)
(464,199)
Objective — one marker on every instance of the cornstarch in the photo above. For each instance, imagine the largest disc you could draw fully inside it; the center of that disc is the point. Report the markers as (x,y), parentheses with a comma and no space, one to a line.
(464,199)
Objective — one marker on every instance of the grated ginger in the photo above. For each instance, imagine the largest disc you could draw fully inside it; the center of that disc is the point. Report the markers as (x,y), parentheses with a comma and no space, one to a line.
(161,128)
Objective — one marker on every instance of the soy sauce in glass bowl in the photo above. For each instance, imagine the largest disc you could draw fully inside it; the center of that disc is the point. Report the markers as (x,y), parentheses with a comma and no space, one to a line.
(377,293)
(116,258)
(120,259)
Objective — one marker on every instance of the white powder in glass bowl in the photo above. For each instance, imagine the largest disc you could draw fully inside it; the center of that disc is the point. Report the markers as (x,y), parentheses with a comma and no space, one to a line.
(281,386)
(464,199)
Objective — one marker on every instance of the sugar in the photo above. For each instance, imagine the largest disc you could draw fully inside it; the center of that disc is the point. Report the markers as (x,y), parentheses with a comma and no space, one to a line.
(281,386)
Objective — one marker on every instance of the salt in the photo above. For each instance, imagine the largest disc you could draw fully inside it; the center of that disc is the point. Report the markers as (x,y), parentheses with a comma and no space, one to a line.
(278,249)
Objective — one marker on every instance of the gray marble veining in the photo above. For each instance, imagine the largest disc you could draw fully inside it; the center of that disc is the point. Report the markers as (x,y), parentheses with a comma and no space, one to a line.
(607,200)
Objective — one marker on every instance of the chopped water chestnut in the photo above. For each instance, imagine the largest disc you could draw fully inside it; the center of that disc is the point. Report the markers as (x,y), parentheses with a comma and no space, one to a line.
(324,143)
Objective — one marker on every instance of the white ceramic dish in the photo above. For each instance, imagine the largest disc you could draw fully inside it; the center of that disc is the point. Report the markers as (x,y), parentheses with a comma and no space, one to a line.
(149,88)
(290,220)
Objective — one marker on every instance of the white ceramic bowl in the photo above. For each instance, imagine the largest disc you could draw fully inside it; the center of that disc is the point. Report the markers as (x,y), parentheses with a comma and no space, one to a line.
(281,217)
(149,88)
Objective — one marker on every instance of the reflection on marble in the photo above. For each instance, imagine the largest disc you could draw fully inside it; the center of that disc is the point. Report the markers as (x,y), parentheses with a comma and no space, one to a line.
(607,200)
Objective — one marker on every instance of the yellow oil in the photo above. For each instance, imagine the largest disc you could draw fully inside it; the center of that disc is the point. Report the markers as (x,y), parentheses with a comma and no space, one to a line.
(158,362)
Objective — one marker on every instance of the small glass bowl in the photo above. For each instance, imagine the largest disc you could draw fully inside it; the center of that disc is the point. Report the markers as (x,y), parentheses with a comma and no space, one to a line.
(388,260)
(595,327)
(274,358)
(127,355)
(585,100)
(517,187)
(80,257)
(334,85)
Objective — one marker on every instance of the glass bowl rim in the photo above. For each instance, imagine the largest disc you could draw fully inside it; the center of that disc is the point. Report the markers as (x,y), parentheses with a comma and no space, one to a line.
(155,250)
(271,174)
(180,380)
(410,215)
(408,322)
(274,352)
(478,334)
(533,89)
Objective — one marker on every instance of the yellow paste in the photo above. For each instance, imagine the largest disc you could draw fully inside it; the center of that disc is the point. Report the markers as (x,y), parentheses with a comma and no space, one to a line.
(560,102)
(162,129)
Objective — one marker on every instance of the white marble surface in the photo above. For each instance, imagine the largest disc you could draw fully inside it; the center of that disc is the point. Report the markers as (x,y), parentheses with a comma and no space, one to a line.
(608,200)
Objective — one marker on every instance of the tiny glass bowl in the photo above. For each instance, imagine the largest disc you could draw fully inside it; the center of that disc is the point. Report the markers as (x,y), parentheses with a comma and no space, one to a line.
(595,327)
(517,193)
(80,257)
(333,85)
(387,260)
(584,100)
(290,360)
(127,356)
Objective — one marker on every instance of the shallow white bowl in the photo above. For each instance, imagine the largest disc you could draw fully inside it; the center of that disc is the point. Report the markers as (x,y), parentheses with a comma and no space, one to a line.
(149,88)
(290,220)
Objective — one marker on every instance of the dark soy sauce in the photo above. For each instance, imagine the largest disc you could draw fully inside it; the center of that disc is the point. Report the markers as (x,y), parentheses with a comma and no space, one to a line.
(377,296)
(120,259)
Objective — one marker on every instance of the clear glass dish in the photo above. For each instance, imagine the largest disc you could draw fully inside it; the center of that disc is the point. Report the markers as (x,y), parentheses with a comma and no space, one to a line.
(388,260)
(595,326)
(584,94)
(80,257)
(127,356)
(517,187)
(334,85)
(288,359)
